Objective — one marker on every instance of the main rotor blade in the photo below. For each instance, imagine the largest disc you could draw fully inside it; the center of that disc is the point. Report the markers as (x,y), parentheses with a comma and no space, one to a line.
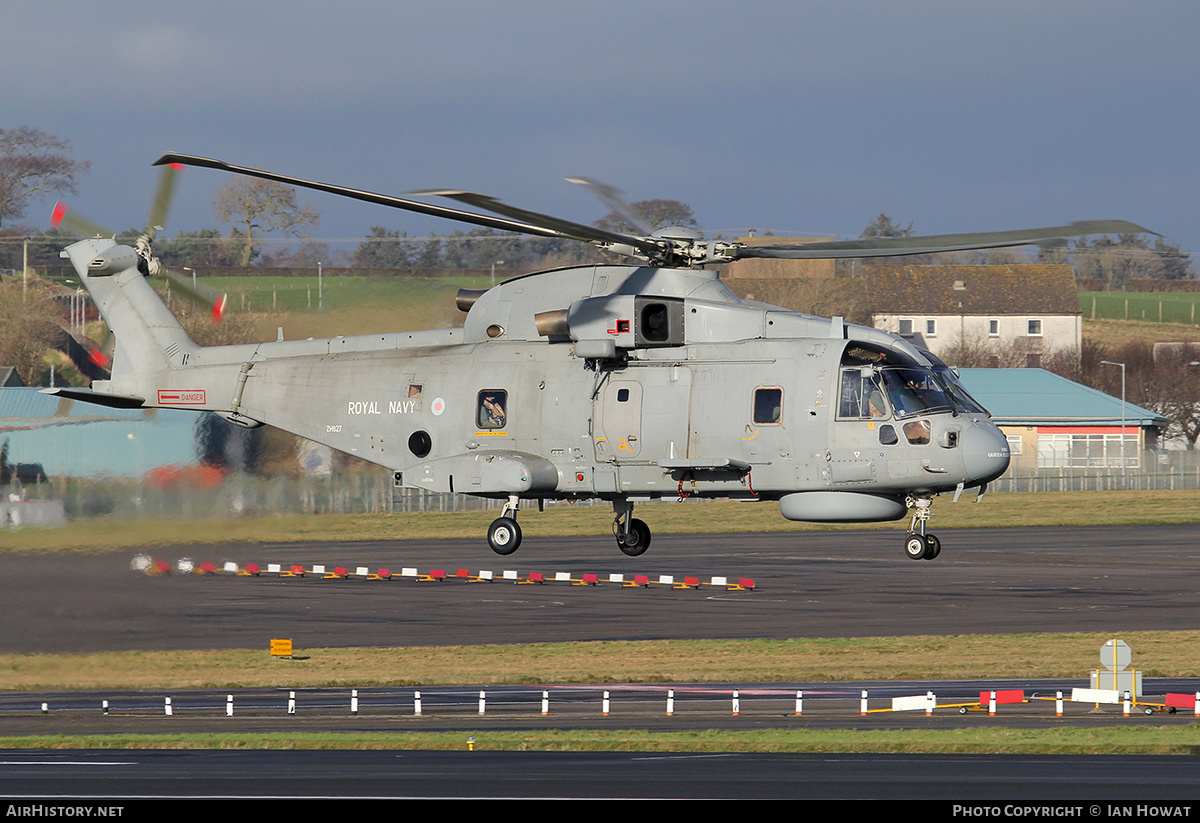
(578,231)
(611,197)
(896,246)
(370,197)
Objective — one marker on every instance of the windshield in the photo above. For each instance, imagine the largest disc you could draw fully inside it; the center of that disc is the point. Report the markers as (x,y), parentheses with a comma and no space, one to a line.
(957,391)
(914,391)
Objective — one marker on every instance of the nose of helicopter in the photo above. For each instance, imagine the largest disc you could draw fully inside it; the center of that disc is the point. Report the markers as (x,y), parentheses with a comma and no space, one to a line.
(985,453)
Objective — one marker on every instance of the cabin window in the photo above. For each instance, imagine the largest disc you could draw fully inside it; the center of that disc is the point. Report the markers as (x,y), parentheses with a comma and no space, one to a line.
(917,432)
(887,435)
(622,395)
(493,409)
(768,406)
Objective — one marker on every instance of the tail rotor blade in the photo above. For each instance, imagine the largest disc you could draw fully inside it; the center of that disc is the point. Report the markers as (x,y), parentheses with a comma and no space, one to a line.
(75,223)
(162,199)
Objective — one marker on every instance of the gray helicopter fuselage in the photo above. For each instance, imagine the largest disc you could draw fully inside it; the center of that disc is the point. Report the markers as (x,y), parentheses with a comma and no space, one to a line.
(613,382)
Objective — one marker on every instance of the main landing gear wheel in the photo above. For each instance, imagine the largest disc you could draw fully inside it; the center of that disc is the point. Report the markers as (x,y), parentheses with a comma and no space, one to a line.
(504,535)
(638,539)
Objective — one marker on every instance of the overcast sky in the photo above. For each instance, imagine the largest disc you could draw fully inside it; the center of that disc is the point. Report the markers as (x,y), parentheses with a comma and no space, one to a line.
(806,118)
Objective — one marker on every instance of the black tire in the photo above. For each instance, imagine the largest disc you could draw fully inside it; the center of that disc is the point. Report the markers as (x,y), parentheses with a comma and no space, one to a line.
(504,536)
(934,546)
(915,547)
(638,540)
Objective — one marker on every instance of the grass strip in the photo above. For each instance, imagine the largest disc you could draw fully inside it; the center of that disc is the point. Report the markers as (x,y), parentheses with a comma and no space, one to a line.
(1027,656)
(1096,508)
(1060,740)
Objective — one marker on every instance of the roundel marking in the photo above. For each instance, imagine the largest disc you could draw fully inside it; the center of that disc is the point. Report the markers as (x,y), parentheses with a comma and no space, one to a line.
(438,406)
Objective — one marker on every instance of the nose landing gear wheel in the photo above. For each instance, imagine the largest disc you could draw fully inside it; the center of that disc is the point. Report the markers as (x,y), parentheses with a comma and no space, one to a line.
(915,547)
(637,541)
(504,535)
(933,546)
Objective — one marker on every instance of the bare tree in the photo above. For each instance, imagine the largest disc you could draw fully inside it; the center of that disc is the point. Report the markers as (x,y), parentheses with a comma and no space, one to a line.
(253,205)
(33,164)
(654,213)
(29,329)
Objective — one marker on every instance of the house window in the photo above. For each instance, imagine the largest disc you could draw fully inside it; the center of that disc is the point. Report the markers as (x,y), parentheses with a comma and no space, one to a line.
(1035,328)
(905,326)
(931,328)
(993,328)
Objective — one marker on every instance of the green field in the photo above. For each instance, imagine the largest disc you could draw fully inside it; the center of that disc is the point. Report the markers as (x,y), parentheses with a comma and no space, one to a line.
(1158,307)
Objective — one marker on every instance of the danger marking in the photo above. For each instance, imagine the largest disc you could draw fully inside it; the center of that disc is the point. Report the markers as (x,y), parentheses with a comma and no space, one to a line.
(181,397)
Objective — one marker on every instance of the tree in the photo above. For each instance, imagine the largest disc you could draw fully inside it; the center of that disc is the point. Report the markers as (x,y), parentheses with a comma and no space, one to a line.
(1129,257)
(33,164)
(202,247)
(381,249)
(654,213)
(884,226)
(29,328)
(251,205)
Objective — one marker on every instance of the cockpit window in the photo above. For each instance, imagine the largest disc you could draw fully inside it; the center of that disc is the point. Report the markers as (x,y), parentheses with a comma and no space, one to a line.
(957,391)
(862,395)
(914,391)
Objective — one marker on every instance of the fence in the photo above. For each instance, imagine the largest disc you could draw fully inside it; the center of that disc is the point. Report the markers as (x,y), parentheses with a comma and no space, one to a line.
(372,492)
(1149,471)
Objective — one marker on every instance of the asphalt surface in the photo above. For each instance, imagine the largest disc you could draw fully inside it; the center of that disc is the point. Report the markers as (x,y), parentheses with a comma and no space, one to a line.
(818,584)
(815,584)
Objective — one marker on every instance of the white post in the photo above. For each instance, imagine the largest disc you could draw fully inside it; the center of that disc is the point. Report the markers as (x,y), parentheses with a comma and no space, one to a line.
(930,702)
(992,704)
(417,703)
(1058,704)
(354,701)
(291,703)
(799,703)
(1125,704)
(862,706)
(167,707)
(604,703)
(482,700)
(229,705)
(670,702)
(545,702)
(737,703)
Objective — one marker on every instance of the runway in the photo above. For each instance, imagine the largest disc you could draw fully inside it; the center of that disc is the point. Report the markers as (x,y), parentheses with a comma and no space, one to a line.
(811,584)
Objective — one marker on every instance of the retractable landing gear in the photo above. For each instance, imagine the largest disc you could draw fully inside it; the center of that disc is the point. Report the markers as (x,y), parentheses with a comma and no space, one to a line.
(918,545)
(633,535)
(504,535)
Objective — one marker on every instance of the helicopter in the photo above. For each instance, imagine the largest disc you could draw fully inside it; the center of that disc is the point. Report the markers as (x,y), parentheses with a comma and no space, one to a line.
(623,382)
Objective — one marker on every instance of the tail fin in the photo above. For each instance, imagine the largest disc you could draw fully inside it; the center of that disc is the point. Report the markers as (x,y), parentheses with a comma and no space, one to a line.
(150,341)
